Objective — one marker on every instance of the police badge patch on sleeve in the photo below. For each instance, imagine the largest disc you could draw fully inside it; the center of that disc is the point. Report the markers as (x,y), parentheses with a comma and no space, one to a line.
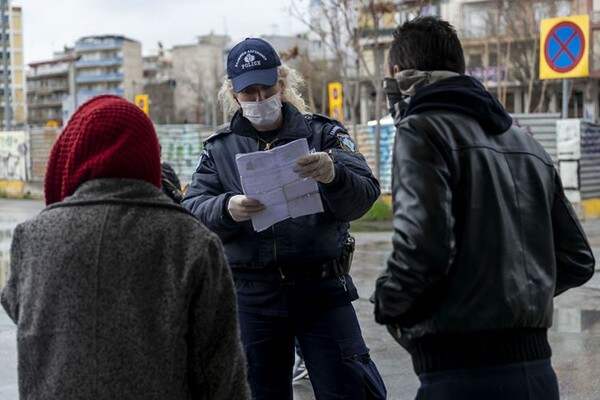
(202,157)
(346,143)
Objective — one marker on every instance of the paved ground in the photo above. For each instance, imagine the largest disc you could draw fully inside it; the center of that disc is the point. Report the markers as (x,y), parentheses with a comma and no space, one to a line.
(575,337)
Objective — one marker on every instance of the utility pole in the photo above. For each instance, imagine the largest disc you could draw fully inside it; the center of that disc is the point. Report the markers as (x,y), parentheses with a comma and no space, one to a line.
(5,67)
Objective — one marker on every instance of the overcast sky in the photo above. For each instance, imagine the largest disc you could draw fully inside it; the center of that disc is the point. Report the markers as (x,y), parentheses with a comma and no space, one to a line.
(48,25)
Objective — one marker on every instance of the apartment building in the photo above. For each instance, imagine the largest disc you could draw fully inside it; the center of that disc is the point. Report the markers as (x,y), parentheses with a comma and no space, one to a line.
(160,85)
(49,84)
(16,70)
(107,64)
(197,72)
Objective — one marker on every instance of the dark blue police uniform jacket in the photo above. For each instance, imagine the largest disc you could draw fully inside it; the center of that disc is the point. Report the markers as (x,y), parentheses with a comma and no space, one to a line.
(272,266)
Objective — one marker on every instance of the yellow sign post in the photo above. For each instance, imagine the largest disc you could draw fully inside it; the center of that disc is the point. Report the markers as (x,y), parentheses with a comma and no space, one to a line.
(564,47)
(335,100)
(141,100)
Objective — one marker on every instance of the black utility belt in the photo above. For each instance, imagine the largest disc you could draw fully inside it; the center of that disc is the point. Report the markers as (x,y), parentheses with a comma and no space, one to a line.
(291,273)
(279,272)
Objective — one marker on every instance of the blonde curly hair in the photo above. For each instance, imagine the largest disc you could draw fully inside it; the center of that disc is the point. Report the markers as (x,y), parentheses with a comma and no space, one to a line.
(290,81)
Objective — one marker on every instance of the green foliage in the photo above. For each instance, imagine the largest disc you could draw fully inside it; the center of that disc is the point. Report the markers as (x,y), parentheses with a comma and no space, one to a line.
(380,211)
(377,219)
(6,195)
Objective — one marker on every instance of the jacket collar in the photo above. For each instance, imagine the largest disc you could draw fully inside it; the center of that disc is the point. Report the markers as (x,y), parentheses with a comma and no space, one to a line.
(464,95)
(294,125)
(115,190)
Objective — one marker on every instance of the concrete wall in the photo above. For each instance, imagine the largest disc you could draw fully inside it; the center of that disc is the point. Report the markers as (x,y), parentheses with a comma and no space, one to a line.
(24,155)
(133,75)
(198,70)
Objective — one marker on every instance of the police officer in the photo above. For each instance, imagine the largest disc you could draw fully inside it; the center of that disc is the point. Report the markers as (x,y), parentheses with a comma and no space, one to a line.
(291,279)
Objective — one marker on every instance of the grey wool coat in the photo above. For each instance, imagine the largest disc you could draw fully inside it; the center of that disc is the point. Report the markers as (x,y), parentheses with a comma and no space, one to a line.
(118,293)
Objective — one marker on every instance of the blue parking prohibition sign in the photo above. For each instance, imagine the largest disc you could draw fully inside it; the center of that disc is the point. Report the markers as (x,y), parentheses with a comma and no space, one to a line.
(564,47)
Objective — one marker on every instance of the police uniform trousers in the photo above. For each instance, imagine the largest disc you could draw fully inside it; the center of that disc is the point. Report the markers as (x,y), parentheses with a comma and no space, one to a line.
(321,317)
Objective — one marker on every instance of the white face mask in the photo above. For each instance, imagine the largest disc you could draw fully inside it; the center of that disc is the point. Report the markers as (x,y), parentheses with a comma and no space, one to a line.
(264,113)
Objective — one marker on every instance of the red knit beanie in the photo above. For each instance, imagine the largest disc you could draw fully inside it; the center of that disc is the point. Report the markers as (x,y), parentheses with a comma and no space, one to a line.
(107,137)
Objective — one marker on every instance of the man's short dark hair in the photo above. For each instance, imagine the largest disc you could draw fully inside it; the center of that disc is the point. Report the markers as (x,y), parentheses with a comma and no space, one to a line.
(426,44)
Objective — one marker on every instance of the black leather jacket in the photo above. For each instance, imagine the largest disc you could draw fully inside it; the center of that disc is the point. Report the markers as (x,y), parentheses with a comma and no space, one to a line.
(483,234)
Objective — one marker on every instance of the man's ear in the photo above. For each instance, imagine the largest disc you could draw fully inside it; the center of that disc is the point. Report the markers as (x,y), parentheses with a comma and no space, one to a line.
(396,69)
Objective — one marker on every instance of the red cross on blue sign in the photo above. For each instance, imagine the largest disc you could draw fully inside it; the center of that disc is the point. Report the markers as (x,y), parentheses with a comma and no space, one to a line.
(564,46)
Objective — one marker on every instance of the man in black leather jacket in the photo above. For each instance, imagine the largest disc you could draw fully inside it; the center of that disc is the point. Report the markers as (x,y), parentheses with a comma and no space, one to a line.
(484,237)
(286,277)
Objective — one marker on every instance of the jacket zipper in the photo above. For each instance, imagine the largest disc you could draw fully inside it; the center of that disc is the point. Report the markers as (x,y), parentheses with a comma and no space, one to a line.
(342,279)
(275,252)
(267,147)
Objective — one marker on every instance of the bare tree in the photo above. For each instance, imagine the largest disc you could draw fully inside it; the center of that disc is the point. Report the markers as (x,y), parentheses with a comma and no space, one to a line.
(336,25)
(161,97)
(316,74)
(514,26)
(347,30)
(197,85)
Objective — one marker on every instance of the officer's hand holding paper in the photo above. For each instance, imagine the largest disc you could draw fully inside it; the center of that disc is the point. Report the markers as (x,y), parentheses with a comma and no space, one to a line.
(269,177)
(318,166)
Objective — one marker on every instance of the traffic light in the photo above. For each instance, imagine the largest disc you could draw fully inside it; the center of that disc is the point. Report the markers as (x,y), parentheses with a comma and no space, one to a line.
(335,100)
(141,100)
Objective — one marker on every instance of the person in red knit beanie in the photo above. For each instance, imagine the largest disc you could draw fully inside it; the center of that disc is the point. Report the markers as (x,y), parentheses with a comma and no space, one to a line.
(117,292)
(107,137)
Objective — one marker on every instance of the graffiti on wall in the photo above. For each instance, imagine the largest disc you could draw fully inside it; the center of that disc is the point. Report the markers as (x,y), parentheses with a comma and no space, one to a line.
(181,148)
(13,156)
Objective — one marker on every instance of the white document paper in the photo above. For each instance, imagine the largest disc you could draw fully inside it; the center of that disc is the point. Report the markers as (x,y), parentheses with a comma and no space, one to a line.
(269,177)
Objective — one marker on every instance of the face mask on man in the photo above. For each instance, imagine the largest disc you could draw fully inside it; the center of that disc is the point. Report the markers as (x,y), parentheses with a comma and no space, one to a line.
(396,101)
(262,113)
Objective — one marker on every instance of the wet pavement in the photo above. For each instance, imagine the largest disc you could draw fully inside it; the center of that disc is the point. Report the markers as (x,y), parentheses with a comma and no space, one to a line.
(575,336)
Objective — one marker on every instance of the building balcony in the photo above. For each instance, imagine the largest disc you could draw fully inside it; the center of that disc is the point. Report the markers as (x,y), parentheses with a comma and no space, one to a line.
(42,119)
(117,77)
(488,74)
(367,37)
(48,73)
(44,104)
(91,93)
(82,47)
(103,62)
(47,89)
(367,33)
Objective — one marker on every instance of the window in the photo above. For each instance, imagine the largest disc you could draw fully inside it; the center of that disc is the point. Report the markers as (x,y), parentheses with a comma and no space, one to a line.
(493,60)
(481,20)
(544,10)
(16,22)
(596,11)
(18,41)
(475,60)
(596,50)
